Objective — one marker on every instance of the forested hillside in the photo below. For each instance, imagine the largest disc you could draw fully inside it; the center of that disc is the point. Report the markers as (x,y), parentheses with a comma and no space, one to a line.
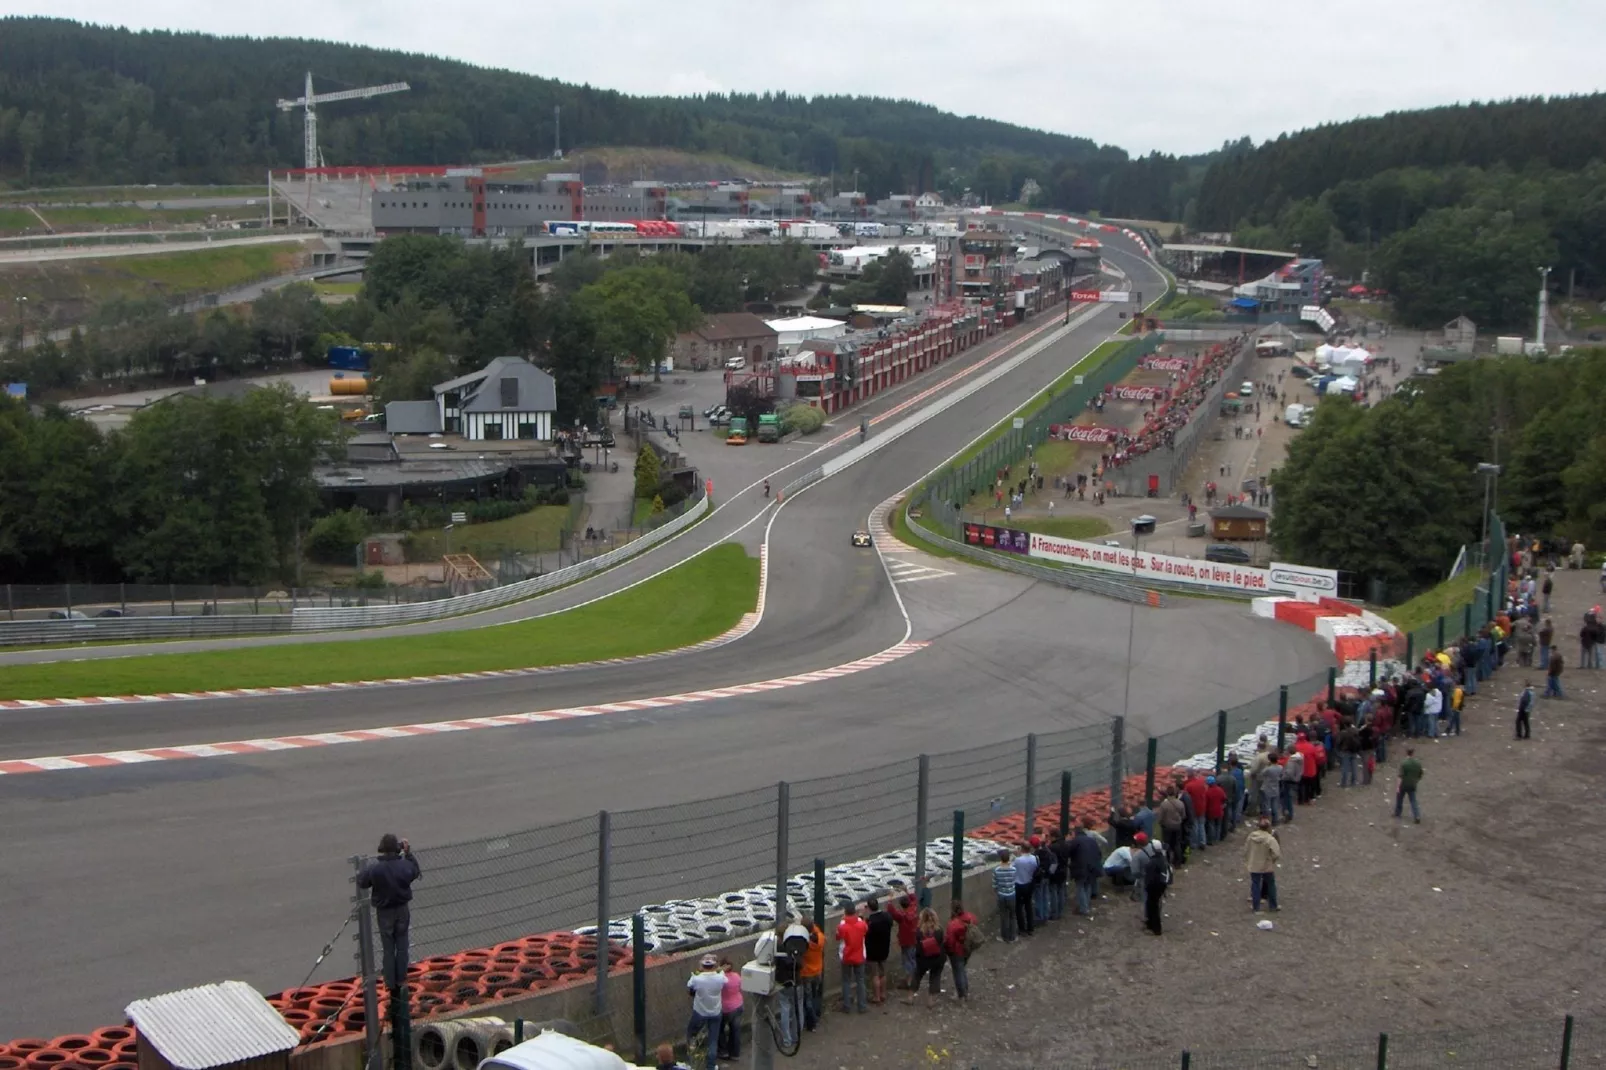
(90,104)
(1450,209)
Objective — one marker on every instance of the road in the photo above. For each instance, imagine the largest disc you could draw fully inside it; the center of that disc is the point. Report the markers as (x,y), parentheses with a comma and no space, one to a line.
(100,252)
(133,880)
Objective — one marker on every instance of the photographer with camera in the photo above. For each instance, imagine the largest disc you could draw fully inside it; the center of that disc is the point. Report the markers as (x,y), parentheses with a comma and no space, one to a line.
(390,879)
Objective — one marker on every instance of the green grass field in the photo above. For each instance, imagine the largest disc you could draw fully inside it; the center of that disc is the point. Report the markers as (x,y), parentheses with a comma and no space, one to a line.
(539,529)
(1427,607)
(698,600)
(1064,527)
(92,194)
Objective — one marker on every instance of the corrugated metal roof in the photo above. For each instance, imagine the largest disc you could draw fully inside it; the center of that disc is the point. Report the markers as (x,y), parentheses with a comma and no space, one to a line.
(213,1025)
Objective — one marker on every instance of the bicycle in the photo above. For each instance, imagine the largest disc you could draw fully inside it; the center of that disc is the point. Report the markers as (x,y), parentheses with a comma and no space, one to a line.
(786,991)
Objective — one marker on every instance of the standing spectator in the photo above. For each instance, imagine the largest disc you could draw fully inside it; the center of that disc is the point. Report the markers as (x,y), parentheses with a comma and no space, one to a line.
(1237,792)
(905,911)
(956,943)
(1257,764)
(1293,777)
(390,879)
(1123,826)
(1004,892)
(1215,811)
(1058,877)
(1349,749)
(1553,676)
(850,933)
(1042,878)
(1525,705)
(877,946)
(1547,635)
(1270,785)
(1410,777)
(730,1013)
(1197,791)
(1172,814)
(1156,879)
(929,954)
(812,975)
(1548,586)
(707,990)
(1262,855)
(789,955)
(1586,642)
(1306,787)
(1086,863)
(1025,878)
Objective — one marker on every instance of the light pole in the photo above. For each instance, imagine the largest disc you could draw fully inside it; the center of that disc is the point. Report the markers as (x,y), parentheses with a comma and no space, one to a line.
(1141,525)
(1544,302)
(1491,479)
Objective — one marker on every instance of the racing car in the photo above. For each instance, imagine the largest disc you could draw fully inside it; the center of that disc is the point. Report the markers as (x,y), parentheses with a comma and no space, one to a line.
(861,538)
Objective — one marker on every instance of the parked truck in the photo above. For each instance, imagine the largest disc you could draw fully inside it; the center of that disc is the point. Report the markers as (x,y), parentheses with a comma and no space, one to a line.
(769,427)
(737,435)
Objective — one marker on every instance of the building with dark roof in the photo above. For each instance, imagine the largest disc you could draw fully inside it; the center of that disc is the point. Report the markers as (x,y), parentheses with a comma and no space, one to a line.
(509,398)
(723,336)
(1238,523)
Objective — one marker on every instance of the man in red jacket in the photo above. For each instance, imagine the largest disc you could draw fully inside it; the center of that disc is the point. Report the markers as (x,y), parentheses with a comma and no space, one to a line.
(953,942)
(1215,811)
(850,933)
(1196,788)
(905,911)
(1307,780)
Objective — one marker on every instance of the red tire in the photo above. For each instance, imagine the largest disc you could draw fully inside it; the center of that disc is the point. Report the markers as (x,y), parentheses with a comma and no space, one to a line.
(73,1042)
(112,1036)
(94,1057)
(12,1062)
(47,1058)
(27,1046)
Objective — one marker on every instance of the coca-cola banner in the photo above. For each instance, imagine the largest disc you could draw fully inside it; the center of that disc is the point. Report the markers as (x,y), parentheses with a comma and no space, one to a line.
(1123,392)
(1084,432)
(1166,364)
(990,538)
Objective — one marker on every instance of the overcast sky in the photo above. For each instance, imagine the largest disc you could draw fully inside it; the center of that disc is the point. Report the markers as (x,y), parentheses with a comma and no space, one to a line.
(1174,75)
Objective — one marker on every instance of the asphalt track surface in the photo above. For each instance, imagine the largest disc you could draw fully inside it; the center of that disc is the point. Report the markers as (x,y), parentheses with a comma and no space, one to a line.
(128,881)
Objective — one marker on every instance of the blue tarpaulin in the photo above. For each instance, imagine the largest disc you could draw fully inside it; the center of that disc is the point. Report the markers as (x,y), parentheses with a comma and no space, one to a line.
(17,390)
(1245,302)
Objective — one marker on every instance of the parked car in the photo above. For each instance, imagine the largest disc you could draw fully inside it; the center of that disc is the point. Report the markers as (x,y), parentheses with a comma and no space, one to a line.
(736,364)
(1302,371)
(111,612)
(68,614)
(1227,555)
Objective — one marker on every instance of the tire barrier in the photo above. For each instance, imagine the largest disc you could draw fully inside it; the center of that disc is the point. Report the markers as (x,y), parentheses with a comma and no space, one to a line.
(434,1044)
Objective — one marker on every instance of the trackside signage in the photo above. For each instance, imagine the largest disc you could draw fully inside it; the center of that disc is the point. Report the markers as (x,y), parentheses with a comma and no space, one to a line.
(1302,580)
(1143,565)
(1295,579)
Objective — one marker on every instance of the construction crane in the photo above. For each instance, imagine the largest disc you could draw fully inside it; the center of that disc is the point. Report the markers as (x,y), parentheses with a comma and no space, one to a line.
(310,134)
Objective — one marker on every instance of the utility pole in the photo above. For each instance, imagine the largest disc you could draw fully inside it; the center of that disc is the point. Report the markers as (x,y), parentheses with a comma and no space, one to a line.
(1544,304)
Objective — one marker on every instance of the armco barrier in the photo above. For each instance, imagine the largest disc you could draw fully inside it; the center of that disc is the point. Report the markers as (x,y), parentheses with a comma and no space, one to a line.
(315,620)
(125,629)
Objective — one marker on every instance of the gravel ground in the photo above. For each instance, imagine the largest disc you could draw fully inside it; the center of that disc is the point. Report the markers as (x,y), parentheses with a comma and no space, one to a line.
(1487,913)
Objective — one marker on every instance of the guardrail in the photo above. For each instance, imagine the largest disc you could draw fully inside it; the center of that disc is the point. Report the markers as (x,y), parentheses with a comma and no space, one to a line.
(125,629)
(315,620)
(1060,577)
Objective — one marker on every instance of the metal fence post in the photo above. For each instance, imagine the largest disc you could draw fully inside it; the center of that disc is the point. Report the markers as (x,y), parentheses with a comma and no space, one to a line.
(66,595)
(1410,649)
(922,804)
(1221,738)
(604,851)
(1118,761)
(1282,715)
(1440,644)
(783,847)
(1187,1059)
(1371,672)
(172,601)
(122,599)
(374,1056)
(1382,1051)
(1566,1042)
(1466,620)
(1029,816)
(819,892)
(1148,772)
(638,978)
(11,607)
(1065,802)
(958,858)
(1332,681)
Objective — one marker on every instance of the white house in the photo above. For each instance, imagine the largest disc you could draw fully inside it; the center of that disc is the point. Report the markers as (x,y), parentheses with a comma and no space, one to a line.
(931,201)
(508,398)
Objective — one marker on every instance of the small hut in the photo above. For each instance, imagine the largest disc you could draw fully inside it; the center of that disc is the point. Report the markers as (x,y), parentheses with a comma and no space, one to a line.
(1237,523)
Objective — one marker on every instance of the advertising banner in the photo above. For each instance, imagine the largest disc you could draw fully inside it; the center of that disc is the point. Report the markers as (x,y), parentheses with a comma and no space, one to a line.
(1084,295)
(1084,432)
(1143,565)
(1122,392)
(1299,579)
(1166,364)
(990,538)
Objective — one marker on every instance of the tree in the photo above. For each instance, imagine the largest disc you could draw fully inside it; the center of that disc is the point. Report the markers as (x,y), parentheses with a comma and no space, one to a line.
(648,471)
(637,312)
(896,279)
(288,439)
(1465,261)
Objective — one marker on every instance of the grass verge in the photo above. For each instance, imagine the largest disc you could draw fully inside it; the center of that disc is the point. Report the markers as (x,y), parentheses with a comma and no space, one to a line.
(1435,602)
(1064,527)
(539,529)
(692,602)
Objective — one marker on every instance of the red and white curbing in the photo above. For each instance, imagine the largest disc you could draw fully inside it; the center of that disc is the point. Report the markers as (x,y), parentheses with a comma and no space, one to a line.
(235,748)
(1351,631)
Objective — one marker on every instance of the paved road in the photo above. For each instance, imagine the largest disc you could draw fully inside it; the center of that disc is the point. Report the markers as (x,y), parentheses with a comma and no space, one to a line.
(183,872)
(98,252)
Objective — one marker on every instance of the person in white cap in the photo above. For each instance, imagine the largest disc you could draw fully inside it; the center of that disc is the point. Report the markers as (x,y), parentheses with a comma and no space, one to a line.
(707,989)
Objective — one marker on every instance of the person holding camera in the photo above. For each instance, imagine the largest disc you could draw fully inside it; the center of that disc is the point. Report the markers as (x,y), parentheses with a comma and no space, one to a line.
(390,880)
